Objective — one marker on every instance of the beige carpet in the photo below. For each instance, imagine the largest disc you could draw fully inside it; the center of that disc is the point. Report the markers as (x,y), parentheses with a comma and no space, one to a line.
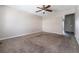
(41,43)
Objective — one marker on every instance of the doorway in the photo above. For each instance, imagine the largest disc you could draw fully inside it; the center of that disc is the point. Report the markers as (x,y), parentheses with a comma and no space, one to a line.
(69,25)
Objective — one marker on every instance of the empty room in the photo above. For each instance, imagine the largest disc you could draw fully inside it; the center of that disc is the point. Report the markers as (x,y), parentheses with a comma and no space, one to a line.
(39,29)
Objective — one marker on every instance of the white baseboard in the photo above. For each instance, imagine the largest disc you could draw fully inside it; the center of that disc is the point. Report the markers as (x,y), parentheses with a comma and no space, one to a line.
(19,35)
(54,33)
(27,34)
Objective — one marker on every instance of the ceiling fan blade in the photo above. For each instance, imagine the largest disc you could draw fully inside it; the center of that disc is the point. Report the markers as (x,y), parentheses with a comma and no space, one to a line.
(49,10)
(48,6)
(39,7)
(38,10)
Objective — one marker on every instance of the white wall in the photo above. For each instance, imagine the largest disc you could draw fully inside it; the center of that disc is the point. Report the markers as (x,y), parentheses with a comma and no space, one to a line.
(17,23)
(1,20)
(53,23)
(77,25)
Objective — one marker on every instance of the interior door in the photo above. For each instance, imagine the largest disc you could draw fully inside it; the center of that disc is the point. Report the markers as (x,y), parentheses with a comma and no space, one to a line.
(69,23)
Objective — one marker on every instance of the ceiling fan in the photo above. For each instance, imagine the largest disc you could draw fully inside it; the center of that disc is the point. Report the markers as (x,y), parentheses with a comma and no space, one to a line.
(44,8)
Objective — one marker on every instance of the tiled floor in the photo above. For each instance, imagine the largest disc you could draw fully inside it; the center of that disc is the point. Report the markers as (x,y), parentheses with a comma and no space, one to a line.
(42,43)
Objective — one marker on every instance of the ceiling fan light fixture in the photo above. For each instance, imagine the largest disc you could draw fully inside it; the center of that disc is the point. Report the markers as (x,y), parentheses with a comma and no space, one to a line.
(43,11)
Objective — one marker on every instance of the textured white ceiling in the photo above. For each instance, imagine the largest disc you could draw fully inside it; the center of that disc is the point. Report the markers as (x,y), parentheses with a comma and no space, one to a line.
(32,8)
